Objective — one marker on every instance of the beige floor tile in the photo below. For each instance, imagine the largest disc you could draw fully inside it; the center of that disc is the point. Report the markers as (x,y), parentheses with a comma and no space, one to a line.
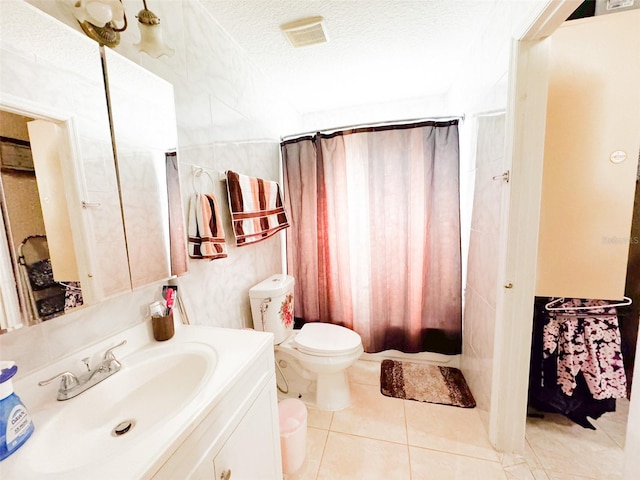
(319,418)
(523,472)
(350,457)
(434,465)
(509,459)
(565,476)
(614,424)
(530,457)
(366,372)
(373,415)
(539,474)
(566,448)
(316,440)
(448,429)
(523,467)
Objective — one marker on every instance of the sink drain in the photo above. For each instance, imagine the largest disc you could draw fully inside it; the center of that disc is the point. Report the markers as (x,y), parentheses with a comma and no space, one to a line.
(122,428)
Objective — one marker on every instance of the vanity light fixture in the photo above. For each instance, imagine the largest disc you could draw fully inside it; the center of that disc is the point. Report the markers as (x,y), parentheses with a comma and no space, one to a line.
(99,19)
(103,20)
(151,41)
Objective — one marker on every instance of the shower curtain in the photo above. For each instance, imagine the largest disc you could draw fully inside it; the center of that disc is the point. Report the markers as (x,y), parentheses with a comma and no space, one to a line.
(374,242)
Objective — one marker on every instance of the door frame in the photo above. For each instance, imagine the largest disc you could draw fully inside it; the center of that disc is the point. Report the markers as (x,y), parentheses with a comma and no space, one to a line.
(524,152)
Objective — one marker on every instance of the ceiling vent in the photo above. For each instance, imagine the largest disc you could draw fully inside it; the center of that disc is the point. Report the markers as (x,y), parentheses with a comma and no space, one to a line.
(307,31)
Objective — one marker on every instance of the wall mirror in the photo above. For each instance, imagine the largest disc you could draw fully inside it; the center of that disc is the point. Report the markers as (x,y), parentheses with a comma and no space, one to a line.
(115,206)
(145,136)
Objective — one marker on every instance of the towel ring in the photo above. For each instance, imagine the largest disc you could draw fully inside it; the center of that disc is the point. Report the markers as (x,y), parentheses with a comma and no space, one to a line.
(197,172)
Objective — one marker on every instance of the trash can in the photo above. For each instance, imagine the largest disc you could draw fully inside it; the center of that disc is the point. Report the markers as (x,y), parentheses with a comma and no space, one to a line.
(293,433)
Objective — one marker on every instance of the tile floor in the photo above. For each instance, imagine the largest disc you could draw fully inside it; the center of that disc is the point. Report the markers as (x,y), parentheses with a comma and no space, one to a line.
(384,438)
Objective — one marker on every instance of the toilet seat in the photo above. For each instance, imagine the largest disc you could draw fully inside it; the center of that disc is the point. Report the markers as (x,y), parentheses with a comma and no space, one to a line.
(326,340)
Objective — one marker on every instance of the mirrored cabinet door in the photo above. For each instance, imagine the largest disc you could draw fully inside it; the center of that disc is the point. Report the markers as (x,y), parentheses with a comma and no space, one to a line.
(144,130)
(50,73)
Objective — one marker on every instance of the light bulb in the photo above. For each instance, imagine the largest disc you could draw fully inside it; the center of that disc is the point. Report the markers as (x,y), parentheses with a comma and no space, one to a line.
(100,13)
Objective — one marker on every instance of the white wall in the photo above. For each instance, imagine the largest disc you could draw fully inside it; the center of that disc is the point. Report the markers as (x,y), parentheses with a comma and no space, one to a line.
(414,108)
(596,205)
(228,118)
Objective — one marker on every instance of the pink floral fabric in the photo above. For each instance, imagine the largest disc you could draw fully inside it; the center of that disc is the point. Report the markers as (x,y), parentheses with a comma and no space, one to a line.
(591,345)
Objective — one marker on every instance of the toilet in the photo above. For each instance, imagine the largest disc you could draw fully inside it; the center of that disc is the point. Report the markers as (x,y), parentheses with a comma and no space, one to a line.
(311,363)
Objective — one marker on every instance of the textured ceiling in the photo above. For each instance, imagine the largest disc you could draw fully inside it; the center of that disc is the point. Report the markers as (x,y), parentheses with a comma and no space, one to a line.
(378,50)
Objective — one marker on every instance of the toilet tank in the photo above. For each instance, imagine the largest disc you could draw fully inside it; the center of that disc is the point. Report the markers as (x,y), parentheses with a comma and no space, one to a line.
(272,306)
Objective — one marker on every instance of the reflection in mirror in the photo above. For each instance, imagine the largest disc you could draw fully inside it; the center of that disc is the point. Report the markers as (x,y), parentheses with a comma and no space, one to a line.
(45,284)
(144,131)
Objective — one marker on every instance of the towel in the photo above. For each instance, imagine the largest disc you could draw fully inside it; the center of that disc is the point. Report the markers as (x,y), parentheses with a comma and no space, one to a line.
(206,234)
(256,207)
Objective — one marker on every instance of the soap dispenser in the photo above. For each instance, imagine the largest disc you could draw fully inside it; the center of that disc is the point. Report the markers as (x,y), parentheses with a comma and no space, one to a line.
(15,424)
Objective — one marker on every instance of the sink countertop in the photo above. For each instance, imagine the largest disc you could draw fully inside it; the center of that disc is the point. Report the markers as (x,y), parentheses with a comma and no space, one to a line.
(234,349)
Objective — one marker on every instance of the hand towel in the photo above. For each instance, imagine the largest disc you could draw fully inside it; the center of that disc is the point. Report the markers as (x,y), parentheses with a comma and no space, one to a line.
(206,234)
(256,207)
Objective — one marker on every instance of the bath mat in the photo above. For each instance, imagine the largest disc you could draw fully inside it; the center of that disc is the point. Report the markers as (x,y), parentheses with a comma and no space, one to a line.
(425,383)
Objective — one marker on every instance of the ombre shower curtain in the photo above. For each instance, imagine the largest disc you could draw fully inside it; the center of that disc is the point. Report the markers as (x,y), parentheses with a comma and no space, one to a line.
(374,242)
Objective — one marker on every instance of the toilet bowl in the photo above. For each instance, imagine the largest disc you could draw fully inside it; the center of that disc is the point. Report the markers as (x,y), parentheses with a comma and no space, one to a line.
(317,374)
(311,362)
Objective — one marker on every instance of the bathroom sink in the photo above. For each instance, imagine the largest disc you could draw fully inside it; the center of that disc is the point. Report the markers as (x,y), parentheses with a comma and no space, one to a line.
(124,410)
(147,420)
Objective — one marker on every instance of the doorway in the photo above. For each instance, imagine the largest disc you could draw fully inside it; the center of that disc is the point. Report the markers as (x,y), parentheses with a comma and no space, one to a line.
(515,304)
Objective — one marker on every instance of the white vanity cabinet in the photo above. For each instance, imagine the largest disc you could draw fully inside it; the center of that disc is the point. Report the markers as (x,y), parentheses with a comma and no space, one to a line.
(246,453)
(239,439)
(201,406)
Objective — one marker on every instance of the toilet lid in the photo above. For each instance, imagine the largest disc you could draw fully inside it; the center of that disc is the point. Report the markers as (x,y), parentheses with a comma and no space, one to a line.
(327,339)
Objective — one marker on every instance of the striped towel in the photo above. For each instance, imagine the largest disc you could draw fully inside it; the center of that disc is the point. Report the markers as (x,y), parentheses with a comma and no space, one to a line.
(206,235)
(256,208)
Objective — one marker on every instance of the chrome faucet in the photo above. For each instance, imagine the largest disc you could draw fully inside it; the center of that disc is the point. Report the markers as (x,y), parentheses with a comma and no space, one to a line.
(72,386)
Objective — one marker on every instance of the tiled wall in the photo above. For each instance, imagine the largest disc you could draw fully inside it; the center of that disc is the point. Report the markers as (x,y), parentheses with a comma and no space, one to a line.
(482,268)
(481,92)
(228,117)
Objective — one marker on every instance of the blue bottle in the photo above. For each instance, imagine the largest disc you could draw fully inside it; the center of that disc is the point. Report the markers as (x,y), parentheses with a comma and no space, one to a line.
(15,424)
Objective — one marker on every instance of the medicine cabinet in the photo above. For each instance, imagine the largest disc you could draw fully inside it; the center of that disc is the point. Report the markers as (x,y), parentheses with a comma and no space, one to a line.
(114,204)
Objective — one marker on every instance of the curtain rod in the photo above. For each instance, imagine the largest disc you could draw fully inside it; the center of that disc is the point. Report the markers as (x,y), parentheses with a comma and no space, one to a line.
(489,113)
(376,124)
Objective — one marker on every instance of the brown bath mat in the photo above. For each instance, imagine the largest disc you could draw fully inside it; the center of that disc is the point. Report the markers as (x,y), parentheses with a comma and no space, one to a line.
(425,383)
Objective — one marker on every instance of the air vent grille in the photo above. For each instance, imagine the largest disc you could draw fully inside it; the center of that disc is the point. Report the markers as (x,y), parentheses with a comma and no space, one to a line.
(304,32)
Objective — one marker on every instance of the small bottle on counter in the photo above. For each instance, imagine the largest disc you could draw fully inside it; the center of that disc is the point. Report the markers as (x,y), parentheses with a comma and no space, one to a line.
(15,424)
